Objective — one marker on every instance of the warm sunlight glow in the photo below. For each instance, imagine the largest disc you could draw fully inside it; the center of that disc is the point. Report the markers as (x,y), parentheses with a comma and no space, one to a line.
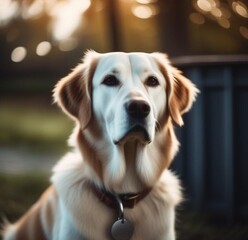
(34,10)
(43,48)
(204,5)
(8,9)
(216,12)
(66,17)
(145,1)
(18,54)
(240,8)
(220,11)
(143,11)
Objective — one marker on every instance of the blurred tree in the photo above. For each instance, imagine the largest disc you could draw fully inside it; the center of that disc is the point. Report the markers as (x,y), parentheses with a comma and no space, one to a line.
(113,22)
(34,33)
(174,27)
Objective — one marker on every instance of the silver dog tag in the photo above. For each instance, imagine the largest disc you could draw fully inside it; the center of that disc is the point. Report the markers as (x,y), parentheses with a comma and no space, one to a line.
(122,230)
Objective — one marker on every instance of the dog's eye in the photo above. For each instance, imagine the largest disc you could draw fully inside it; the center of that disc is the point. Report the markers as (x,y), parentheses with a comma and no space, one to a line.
(152,81)
(111,81)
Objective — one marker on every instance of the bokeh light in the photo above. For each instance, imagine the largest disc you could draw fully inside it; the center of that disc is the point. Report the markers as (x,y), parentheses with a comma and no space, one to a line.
(34,10)
(43,48)
(8,10)
(144,11)
(18,54)
(145,1)
(244,31)
(240,8)
(197,18)
(68,44)
(64,22)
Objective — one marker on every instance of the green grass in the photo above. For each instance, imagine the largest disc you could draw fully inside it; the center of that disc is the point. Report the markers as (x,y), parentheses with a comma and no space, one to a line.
(35,127)
(19,192)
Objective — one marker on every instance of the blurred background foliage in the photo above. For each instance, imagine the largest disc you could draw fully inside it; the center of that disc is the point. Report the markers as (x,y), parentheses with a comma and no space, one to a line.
(41,40)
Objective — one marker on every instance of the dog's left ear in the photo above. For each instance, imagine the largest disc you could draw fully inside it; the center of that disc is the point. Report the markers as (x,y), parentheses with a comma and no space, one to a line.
(181,92)
(182,95)
(73,92)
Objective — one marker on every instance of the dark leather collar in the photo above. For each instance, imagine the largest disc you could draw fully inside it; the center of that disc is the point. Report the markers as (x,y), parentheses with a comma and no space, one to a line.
(129,200)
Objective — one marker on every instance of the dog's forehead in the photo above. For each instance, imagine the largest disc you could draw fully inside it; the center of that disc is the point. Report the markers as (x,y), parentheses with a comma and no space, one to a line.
(117,62)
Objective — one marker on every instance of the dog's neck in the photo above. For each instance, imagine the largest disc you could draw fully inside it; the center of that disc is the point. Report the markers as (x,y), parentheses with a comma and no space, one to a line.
(130,167)
(130,152)
(131,181)
(132,190)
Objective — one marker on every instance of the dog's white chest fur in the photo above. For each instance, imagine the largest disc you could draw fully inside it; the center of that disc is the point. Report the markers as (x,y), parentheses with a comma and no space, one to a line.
(153,217)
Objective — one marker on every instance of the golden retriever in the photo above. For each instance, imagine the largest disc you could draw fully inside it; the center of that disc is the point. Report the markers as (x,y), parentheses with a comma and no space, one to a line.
(124,106)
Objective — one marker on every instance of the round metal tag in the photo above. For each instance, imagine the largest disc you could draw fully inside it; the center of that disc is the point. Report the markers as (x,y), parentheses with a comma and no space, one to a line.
(122,230)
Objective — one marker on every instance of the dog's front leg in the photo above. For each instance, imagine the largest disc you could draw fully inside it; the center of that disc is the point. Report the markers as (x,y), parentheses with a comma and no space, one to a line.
(170,225)
(64,229)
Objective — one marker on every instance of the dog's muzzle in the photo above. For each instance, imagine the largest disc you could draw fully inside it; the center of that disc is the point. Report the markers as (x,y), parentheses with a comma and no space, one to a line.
(137,113)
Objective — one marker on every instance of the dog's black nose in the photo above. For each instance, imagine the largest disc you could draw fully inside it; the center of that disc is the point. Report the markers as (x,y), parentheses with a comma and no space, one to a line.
(138,108)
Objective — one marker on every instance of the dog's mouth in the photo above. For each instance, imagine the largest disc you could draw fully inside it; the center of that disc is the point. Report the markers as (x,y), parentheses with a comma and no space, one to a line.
(135,132)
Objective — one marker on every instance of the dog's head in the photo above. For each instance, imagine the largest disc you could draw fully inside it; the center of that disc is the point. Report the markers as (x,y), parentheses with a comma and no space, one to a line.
(118,98)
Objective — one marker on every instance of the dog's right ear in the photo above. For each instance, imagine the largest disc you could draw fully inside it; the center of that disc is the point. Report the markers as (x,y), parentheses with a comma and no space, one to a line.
(73,92)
